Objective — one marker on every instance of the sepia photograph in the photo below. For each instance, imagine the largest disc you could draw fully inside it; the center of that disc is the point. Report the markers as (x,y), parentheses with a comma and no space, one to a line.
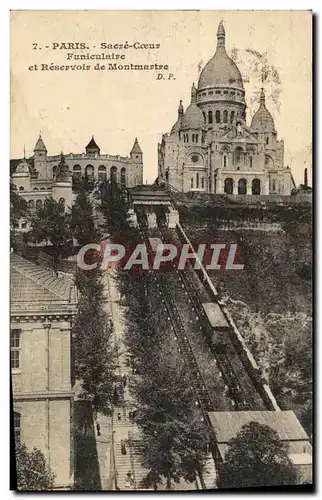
(161,296)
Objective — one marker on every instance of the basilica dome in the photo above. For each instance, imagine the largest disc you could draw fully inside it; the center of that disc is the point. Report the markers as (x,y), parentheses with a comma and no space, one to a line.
(262,119)
(220,71)
(193,117)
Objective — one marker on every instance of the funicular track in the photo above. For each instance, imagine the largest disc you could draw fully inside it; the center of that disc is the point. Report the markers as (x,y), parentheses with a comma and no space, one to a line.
(223,356)
(196,379)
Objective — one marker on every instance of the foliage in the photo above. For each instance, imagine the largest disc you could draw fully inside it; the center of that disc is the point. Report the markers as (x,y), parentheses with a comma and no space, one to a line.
(174,437)
(114,206)
(254,458)
(18,206)
(82,220)
(93,354)
(33,473)
(51,223)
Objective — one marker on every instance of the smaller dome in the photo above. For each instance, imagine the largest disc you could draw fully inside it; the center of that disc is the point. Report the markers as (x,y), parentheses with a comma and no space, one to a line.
(193,117)
(23,167)
(262,120)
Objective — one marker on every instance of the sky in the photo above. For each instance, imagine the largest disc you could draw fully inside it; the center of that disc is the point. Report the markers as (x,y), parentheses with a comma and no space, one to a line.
(68,107)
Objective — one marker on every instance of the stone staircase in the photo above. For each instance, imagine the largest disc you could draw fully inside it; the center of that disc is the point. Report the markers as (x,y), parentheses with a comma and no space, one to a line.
(131,462)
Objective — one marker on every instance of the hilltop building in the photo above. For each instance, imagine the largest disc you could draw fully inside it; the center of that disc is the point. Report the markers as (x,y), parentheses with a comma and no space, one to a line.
(211,148)
(54,176)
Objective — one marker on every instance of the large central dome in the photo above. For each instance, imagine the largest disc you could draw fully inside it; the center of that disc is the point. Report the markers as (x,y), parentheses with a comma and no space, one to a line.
(220,71)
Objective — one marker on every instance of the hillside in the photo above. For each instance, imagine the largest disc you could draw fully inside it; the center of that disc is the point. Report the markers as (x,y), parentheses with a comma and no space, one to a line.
(271,298)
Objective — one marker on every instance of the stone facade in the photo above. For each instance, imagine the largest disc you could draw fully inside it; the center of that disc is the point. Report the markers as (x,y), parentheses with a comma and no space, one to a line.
(50,183)
(211,149)
(42,307)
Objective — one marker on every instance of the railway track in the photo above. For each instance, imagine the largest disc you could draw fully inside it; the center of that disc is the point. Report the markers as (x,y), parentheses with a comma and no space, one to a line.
(196,379)
(225,365)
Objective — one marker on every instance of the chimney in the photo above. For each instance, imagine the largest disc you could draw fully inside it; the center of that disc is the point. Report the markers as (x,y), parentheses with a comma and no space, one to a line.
(305,177)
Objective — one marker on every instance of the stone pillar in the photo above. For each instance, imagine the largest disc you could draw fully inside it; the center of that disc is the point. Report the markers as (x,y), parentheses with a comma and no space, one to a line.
(249,186)
(219,186)
(235,187)
(265,186)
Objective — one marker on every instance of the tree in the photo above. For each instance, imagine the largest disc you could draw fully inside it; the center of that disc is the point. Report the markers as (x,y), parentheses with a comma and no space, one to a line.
(33,473)
(174,437)
(256,457)
(18,206)
(94,357)
(82,220)
(52,223)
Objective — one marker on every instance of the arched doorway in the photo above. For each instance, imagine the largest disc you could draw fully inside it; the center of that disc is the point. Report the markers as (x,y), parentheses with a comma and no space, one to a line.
(123,178)
(77,172)
(256,186)
(31,204)
(242,186)
(101,173)
(229,186)
(38,204)
(89,172)
(113,175)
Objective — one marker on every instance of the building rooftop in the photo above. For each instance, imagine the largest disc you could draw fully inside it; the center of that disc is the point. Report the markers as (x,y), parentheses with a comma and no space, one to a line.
(33,287)
(228,424)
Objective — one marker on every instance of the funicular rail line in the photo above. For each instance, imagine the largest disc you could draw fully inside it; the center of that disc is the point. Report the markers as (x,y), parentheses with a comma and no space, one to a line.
(222,358)
(196,379)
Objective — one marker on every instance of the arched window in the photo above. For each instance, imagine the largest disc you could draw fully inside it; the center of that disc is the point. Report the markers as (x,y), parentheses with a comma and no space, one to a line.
(273,185)
(204,117)
(89,172)
(238,154)
(42,189)
(197,180)
(225,161)
(217,116)
(31,204)
(62,202)
(267,140)
(17,426)
(196,137)
(101,173)
(210,117)
(229,186)
(225,116)
(54,170)
(38,204)
(193,137)
(191,185)
(123,178)
(113,175)
(46,202)
(232,116)
(77,172)
(256,186)
(242,186)
(21,188)
(202,182)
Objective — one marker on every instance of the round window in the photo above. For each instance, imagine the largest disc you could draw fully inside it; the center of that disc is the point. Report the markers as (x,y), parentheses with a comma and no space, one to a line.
(194,158)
